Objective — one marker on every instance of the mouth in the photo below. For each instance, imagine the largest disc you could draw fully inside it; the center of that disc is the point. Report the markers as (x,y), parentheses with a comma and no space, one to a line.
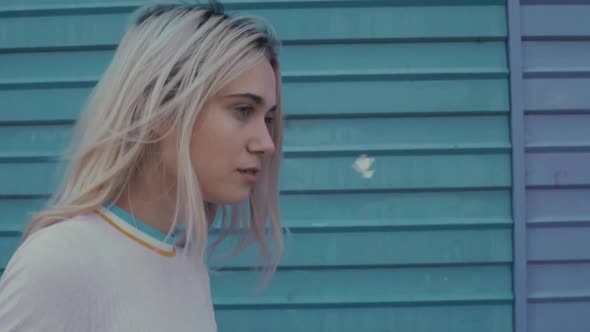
(249,174)
(249,170)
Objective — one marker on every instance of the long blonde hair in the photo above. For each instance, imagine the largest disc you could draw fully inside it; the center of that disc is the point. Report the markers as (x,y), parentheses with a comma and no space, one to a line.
(170,60)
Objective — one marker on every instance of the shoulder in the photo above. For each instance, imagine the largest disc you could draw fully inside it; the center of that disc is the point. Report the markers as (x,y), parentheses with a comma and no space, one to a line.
(60,250)
(49,274)
(59,255)
(64,243)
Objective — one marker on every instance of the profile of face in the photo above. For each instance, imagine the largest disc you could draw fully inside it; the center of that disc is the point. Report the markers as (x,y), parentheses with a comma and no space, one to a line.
(231,136)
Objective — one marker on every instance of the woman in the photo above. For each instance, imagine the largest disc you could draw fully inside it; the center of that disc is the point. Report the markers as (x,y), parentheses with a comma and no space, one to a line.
(185,126)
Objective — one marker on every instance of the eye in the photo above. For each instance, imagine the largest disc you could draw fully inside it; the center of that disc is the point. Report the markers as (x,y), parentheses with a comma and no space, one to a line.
(269,120)
(244,111)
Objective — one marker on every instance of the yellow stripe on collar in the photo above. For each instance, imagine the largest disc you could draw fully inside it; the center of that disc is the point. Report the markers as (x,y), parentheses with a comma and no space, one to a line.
(135,238)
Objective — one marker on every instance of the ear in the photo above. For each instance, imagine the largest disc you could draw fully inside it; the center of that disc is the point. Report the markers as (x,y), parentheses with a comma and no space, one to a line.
(159,130)
(162,128)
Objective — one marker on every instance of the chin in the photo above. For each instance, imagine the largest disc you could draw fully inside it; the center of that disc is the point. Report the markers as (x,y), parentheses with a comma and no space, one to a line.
(238,196)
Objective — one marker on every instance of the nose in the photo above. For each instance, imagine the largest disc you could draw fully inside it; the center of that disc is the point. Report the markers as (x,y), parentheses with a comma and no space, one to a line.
(262,142)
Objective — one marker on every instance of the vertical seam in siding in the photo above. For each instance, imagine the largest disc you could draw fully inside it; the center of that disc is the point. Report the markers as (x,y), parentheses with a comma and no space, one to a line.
(518,166)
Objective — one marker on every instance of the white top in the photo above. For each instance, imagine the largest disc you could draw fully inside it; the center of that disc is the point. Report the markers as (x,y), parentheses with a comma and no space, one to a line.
(104,272)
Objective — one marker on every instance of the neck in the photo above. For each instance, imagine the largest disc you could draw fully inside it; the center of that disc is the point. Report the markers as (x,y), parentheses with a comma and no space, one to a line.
(150,197)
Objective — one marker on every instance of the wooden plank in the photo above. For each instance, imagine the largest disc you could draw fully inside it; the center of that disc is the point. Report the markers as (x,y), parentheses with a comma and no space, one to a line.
(447,317)
(337,24)
(558,244)
(332,98)
(566,21)
(359,286)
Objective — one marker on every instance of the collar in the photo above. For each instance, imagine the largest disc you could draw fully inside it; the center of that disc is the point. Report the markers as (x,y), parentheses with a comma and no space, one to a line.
(137,230)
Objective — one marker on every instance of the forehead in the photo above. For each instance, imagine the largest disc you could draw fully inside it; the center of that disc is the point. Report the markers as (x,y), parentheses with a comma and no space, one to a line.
(259,80)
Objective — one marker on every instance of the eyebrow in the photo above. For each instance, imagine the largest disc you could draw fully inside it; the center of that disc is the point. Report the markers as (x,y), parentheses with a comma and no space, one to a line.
(256,99)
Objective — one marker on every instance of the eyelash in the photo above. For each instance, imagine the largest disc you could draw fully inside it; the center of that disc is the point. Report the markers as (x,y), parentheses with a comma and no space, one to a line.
(247,110)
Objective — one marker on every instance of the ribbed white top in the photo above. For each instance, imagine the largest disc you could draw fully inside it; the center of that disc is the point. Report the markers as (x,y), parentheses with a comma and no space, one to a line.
(86,274)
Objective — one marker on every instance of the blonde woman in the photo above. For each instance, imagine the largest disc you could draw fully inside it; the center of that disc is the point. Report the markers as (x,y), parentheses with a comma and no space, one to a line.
(185,126)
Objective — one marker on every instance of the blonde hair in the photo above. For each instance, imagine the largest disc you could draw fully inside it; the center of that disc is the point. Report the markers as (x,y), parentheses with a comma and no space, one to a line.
(171,59)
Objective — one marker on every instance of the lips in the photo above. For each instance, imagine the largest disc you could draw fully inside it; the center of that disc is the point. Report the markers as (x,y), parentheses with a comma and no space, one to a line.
(249,174)
(249,170)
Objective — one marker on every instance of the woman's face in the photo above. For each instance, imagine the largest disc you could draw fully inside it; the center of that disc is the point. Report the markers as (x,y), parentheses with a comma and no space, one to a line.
(231,136)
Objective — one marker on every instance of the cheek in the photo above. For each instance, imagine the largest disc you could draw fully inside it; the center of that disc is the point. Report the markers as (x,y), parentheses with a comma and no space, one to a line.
(213,159)
(215,166)
(211,151)
(168,156)
(215,154)
(215,140)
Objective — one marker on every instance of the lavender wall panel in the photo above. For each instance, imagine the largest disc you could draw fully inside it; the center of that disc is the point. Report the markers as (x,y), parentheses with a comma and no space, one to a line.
(551,315)
(559,244)
(556,91)
(557,94)
(558,129)
(558,205)
(567,21)
(565,278)
(556,55)
(558,169)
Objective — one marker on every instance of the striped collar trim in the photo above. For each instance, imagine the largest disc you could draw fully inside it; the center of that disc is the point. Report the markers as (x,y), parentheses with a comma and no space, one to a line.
(137,230)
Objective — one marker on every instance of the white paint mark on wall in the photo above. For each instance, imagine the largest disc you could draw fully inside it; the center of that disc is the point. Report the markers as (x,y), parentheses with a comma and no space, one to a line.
(363,165)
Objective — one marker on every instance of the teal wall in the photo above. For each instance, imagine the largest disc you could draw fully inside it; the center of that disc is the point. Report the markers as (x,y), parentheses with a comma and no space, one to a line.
(423,245)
